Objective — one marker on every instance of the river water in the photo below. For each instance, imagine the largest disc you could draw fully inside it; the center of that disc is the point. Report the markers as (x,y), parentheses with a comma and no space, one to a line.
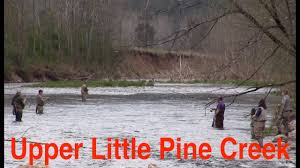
(147,113)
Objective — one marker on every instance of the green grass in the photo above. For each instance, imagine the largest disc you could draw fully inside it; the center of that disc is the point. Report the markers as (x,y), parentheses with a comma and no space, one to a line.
(276,93)
(92,83)
(162,52)
(141,83)
(230,82)
(269,131)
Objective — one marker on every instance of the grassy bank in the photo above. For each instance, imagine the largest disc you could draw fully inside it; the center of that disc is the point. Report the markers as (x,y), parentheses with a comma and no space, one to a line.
(270,131)
(92,83)
(126,83)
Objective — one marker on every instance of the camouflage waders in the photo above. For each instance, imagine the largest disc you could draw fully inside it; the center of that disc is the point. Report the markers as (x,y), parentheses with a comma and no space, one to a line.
(39,109)
(13,102)
(284,121)
(83,96)
(19,106)
(84,92)
(19,113)
(258,129)
(40,102)
(14,110)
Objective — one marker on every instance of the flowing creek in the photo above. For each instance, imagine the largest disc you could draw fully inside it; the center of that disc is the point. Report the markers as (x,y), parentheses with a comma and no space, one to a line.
(147,113)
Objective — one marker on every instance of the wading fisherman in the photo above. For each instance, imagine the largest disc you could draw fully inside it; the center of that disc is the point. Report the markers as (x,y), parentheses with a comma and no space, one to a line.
(19,104)
(40,102)
(84,92)
(219,114)
(13,102)
(259,121)
(285,110)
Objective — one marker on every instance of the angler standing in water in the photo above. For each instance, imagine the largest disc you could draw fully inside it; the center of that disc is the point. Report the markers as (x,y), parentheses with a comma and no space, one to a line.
(285,110)
(260,121)
(19,104)
(84,92)
(13,102)
(40,102)
(219,114)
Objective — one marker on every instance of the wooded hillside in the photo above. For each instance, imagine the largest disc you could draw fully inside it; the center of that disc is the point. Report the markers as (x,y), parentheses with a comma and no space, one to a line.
(248,38)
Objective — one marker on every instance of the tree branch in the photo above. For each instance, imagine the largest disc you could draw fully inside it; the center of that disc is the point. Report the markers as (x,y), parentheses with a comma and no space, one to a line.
(249,90)
(274,15)
(259,26)
(260,66)
(206,34)
(188,30)
(249,77)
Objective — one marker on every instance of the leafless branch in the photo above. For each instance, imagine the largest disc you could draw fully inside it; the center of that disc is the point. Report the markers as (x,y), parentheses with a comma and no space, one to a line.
(206,34)
(262,28)
(289,13)
(260,66)
(268,93)
(274,15)
(253,40)
(188,30)
(179,5)
(249,90)
(253,73)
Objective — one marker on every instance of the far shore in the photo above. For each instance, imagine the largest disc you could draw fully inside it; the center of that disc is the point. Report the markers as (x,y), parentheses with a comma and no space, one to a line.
(140,83)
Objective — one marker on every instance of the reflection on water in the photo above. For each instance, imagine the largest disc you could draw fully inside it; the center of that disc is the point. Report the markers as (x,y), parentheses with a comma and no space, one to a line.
(144,113)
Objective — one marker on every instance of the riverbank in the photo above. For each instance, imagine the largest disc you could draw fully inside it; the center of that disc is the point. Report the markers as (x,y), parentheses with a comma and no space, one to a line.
(142,83)
(140,64)
(93,83)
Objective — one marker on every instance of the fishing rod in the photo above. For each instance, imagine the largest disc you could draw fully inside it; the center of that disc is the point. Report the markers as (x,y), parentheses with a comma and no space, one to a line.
(186,95)
(47,100)
(253,109)
(247,115)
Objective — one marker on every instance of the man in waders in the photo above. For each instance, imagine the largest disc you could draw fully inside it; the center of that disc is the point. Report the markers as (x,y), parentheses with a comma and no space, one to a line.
(84,92)
(285,110)
(19,104)
(259,123)
(13,101)
(219,114)
(40,102)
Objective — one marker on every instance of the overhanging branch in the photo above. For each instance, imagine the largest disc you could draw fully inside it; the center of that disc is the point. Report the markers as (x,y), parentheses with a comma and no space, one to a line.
(249,90)
(261,27)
